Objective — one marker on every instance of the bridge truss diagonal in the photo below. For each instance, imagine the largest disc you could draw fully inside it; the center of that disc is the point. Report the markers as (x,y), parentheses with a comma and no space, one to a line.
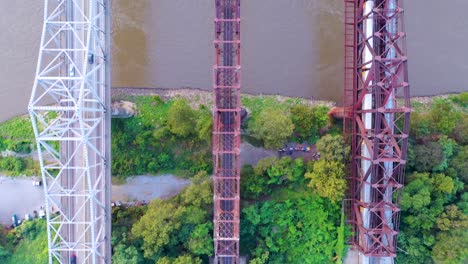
(70,113)
(377,101)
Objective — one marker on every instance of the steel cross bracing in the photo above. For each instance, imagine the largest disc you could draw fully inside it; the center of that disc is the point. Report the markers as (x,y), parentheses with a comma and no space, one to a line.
(69,112)
(226,131)
(377,122)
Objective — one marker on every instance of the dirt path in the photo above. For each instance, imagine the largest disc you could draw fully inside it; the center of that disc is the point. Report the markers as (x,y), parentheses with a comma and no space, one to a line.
(18,196)
(147,188)
(251,155)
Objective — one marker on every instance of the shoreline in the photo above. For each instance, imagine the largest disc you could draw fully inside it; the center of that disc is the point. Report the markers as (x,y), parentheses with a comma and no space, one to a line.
(186,91)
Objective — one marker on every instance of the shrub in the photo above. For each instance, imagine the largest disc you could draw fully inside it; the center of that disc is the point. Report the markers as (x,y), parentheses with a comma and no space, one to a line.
(181,119)
(13,165)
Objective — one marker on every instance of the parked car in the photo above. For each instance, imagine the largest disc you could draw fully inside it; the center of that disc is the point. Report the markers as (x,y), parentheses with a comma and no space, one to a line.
(37,183)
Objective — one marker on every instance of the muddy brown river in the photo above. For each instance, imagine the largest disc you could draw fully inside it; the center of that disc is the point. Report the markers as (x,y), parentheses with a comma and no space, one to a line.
(290,47)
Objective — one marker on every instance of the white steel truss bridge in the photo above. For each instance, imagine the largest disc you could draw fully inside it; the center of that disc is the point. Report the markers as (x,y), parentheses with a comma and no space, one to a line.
(70,113)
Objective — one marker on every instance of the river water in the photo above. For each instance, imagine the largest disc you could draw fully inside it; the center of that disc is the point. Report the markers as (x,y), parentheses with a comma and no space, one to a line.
(290,47)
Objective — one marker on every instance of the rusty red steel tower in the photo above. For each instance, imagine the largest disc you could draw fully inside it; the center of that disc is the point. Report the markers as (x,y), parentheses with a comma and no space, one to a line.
(377,103)
(226,131)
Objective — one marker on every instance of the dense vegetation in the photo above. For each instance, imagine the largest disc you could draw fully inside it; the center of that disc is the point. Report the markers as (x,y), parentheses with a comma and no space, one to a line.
(434,202)
(164,136)
(24,244)
(283,220)
(291,209)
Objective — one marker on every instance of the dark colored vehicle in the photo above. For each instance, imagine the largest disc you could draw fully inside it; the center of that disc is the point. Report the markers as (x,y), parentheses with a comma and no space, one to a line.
(15,221)
(73,259)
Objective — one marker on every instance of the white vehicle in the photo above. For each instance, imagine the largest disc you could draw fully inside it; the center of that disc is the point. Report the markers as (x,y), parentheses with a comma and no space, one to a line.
(37,183)
(27,217)
(41,213)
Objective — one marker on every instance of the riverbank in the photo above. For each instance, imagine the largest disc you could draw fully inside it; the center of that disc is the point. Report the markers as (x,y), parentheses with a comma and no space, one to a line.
(197,96)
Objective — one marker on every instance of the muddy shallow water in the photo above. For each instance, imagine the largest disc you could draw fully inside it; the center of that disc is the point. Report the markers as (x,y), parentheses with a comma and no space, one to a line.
(290,47)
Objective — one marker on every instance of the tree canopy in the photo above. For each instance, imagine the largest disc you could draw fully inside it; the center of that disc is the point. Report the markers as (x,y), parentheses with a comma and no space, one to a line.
(272,126)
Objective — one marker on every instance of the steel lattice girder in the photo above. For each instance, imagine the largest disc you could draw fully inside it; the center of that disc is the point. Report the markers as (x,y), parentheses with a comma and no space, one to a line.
(377,124)
(226,131)
(69,113)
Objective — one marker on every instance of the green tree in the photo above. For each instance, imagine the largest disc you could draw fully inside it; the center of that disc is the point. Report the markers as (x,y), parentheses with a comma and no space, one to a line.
(459,163)
(327,179)
(448,146)
(450,247)
(124,254)
(444,116)
(181,118)
(452,218)
(205,126)
(332,148)
(13,165)
(272,126)
(427,157)
(201,241)
(309,120)
(422,202)
(168,225)
(421,125)
(460,133)
(252,184)
(157,226)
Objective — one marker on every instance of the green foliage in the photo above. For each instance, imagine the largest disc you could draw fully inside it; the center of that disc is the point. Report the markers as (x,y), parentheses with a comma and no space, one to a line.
(460,133)
(460,99)
(16,135)
(452,218)
(451,247)
(420,125)
(448,146)
(332,148)
(309,120)
(148,143)
(30,243)
(12,165)
(270,173)
(179,225)
(124,254)
(327,179)
(17,128)
(422,203)
(297,230)
(205,125)
(427,157)
(181,118)
(272,126)
(459,163)
(252,185)
(444,116)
